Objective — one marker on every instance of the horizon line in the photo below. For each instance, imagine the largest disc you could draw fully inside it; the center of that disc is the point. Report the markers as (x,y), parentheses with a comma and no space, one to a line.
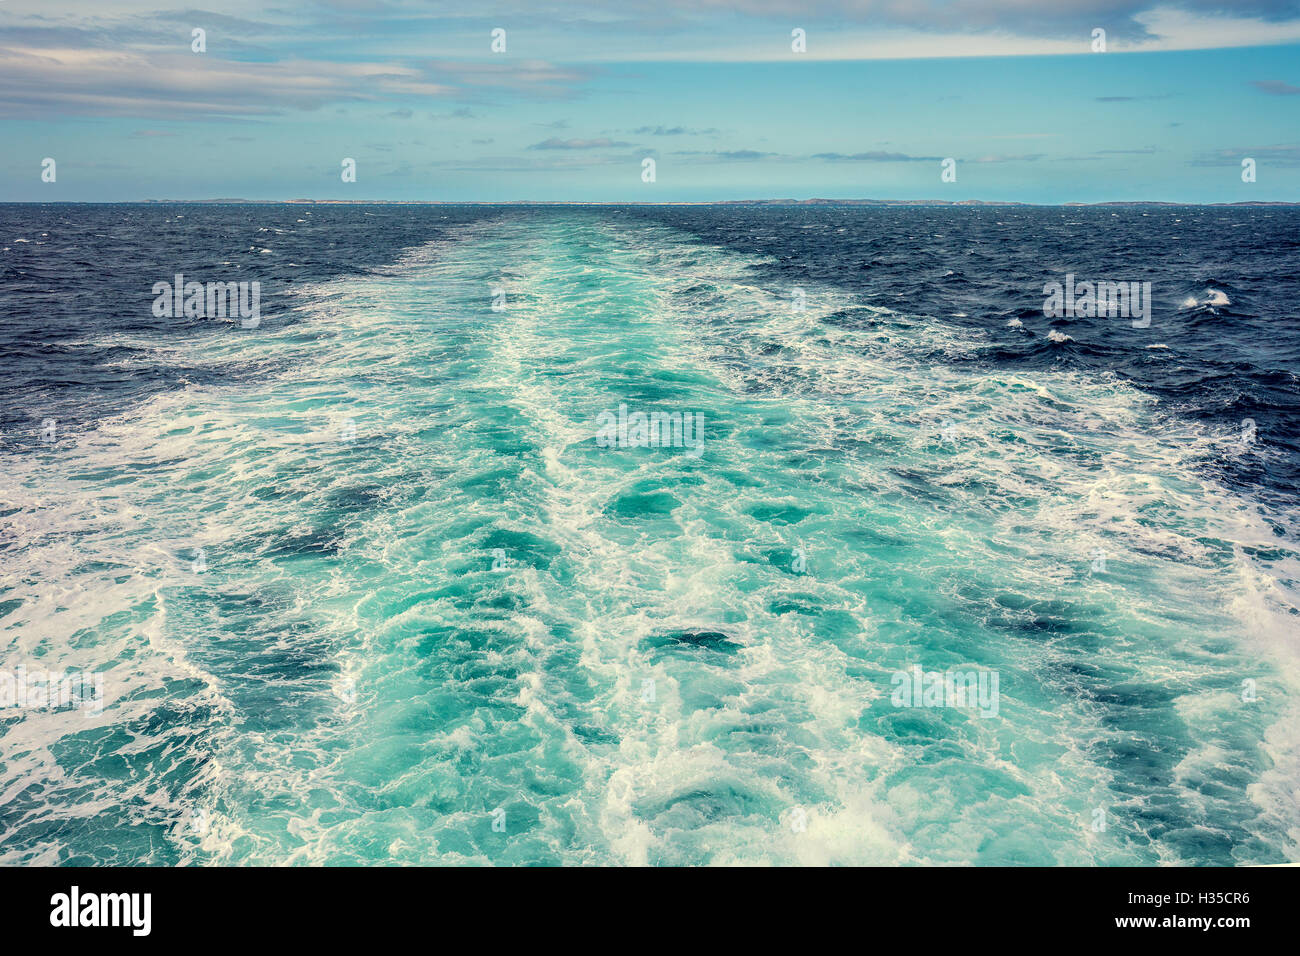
(817,201)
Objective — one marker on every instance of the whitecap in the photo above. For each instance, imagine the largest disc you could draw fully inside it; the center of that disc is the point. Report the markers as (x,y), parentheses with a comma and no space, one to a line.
(1211,297)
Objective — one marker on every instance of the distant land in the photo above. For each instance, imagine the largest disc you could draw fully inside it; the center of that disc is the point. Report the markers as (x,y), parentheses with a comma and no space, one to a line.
(711,202)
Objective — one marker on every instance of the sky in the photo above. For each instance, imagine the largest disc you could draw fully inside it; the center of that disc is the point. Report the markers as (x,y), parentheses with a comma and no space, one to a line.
(713,91)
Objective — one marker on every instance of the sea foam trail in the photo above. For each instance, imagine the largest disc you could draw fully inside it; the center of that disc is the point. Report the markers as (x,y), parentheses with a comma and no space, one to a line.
(440,623)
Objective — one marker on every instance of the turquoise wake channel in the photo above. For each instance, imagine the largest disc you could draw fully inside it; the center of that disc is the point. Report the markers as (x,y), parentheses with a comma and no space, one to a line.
(436,621)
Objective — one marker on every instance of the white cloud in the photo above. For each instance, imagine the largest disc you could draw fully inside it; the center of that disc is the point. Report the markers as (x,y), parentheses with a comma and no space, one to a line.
(1169,28)
(126,83)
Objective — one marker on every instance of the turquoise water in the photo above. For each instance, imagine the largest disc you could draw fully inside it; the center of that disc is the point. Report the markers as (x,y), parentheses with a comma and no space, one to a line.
(428,594)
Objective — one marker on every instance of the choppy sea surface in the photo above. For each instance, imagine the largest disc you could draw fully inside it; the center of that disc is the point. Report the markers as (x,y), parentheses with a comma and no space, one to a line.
(363,587)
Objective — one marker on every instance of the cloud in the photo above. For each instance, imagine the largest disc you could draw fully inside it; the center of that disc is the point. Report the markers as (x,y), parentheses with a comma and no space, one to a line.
(727,154)
(556,162)
(571,32)
(758,30)
(876,156)
(120,60)
(1011,16)
(401,114)
(1006,158)
(556,143)
(1276,87)
(463,113)
(882,156)
(892,29)
(536,78)
(36,82)
(85,57)
(1281,154)
(670,131)
(1129,99)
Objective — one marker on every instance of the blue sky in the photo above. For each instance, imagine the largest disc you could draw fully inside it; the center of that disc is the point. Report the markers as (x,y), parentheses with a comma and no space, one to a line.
(710,89)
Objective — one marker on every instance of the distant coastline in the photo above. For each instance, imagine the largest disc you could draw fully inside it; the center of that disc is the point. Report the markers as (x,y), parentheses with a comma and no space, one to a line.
(544,202)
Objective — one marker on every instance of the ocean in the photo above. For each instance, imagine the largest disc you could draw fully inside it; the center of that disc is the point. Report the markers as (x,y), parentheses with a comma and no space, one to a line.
(537,535)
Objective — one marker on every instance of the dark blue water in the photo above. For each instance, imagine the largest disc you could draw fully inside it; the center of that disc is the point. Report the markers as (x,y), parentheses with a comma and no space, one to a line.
(88,268)
(72,277)
(982,267)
